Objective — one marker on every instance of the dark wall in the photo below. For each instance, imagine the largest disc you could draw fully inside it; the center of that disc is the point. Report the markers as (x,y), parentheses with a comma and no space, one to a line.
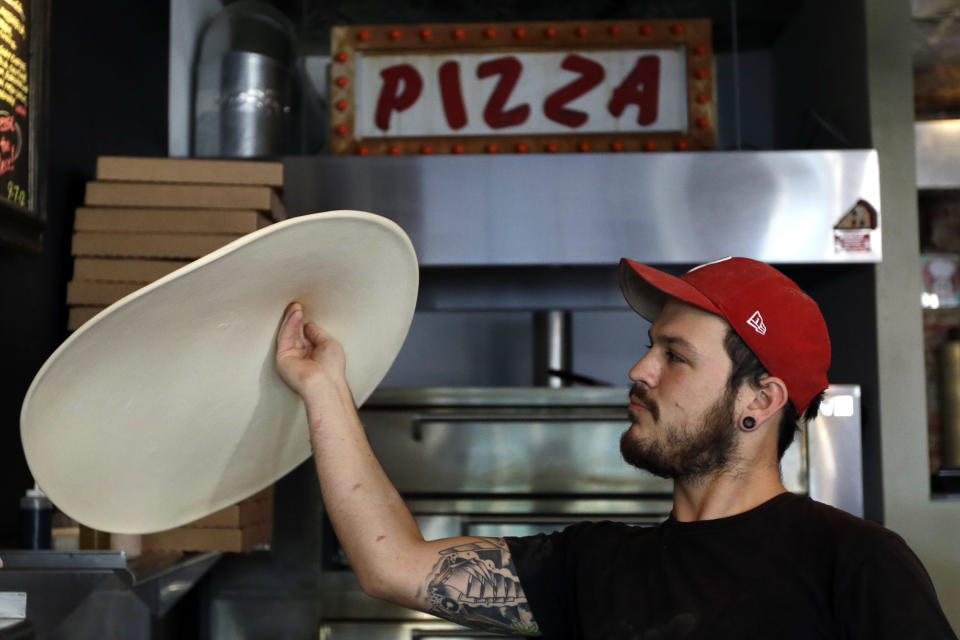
(107,95)
(847,297)
(820,66)
(821,102)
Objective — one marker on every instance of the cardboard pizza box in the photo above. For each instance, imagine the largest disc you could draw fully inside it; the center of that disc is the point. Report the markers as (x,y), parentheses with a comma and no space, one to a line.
(81,293)
(148,245)
(208,539)
(140,220)
(186,196)
(77,316)
(243,514)
(123,269)
(209,171)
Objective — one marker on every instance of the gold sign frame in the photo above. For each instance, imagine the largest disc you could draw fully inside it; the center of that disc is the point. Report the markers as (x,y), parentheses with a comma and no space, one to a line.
(694,36)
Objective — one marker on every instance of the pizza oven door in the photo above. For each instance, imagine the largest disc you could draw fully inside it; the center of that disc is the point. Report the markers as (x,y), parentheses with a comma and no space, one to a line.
(543,451)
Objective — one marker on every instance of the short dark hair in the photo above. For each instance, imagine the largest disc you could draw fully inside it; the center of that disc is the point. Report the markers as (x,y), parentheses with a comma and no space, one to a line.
(748,368)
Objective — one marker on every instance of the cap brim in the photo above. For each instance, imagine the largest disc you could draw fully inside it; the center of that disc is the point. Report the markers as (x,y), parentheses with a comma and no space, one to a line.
(167,405)
(646,289)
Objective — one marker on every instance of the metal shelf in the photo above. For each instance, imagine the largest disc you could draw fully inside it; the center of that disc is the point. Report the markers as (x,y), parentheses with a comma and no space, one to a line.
(78,584)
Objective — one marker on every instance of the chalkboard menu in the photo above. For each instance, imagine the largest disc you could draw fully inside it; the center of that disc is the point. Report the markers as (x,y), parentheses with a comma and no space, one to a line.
(23,35)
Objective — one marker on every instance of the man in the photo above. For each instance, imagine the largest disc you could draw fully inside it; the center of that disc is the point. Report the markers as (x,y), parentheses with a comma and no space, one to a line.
(737,353)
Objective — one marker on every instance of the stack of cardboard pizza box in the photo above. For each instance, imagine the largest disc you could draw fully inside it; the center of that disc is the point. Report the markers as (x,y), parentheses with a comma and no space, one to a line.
(146,217)
(143,218)
(239,528)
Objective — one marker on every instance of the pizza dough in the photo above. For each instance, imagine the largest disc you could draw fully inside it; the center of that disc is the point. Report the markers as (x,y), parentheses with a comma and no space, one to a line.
(167,406)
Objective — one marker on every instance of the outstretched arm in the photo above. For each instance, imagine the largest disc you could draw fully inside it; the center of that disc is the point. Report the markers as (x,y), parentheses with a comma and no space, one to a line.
(474,582)
(468,580)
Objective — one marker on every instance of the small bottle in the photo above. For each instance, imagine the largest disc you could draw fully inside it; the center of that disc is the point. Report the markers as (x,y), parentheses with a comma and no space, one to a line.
(36,515)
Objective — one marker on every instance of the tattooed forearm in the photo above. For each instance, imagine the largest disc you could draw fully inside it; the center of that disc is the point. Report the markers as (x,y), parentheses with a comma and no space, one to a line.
(476,584)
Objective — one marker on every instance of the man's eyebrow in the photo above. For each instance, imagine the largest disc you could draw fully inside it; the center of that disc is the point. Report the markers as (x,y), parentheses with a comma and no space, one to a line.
(675,340)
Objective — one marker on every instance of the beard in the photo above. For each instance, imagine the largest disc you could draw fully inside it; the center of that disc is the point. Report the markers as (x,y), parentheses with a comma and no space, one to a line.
(684,453)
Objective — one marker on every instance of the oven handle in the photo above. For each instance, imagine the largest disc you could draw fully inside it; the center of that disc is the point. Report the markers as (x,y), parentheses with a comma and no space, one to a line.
(418,420)
(419,634)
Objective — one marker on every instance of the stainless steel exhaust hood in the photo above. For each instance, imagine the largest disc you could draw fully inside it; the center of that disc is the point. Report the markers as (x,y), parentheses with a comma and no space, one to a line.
(584,209)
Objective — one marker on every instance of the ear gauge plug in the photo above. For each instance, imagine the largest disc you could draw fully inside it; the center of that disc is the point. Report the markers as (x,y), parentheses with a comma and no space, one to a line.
(748,424)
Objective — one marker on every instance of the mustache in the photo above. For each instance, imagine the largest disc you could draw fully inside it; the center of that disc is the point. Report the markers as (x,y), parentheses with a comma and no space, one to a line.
(640,392)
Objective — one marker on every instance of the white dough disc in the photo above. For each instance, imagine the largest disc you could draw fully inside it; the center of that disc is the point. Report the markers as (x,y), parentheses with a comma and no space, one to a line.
(167,405)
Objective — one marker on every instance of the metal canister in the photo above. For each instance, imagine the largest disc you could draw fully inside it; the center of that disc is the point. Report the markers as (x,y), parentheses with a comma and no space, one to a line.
(254,105)
(950,400)
(246,84)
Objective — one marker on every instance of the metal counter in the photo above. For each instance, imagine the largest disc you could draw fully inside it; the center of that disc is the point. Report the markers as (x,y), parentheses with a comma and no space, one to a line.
(100,594)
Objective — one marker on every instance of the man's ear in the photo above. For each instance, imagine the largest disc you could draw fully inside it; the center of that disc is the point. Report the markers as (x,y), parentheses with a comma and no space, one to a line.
(767,399)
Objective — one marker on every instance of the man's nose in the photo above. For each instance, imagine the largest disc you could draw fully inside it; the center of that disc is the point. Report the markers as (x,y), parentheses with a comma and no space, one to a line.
(646,370)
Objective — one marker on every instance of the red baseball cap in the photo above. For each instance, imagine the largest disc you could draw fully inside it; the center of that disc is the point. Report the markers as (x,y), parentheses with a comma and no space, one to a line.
(781,324)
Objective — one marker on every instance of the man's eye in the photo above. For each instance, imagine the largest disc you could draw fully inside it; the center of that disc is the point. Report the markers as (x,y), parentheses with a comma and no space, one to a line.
(672,357)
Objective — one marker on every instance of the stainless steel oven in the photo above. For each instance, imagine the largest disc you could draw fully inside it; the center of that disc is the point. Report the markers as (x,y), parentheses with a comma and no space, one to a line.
(518,461)
(401,630)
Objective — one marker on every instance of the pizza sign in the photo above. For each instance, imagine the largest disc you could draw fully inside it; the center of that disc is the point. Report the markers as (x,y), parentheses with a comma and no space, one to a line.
(518,92)
(484,95)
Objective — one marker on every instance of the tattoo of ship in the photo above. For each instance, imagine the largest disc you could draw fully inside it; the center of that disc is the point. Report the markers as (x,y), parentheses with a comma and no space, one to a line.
(476,584)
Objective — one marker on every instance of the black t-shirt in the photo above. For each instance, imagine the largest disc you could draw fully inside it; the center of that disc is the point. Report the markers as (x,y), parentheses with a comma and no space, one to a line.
(790,568)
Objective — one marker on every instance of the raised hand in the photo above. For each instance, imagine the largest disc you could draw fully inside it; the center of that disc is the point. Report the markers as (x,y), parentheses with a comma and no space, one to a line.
(308,357)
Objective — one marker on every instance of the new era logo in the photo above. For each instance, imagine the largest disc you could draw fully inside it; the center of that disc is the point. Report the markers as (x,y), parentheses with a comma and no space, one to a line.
(756,321)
